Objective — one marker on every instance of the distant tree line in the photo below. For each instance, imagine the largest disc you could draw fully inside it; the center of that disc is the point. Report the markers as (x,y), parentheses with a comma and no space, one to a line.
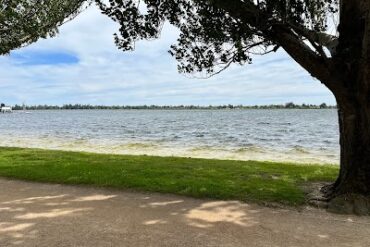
(289,105)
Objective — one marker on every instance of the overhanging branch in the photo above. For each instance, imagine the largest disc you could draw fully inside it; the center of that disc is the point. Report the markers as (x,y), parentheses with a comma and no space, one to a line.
(317,66)
(321,39)
(283,35)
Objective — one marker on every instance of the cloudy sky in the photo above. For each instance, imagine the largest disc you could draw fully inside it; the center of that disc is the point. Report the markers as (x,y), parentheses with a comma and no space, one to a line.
(82,65)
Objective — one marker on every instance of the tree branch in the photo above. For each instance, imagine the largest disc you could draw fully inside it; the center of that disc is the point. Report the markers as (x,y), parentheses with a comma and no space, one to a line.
(304,56)
(322,39)
(282,34)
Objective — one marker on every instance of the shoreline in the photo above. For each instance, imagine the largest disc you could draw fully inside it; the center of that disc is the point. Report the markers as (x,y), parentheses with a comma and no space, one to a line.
(249,153)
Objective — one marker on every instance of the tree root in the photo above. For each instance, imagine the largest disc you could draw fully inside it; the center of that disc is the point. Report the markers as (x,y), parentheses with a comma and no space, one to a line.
(327,197)
(319,202)
(317,197)
(328,191)
(350,204)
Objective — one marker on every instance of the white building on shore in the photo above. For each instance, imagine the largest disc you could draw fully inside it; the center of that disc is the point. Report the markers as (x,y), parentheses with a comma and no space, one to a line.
(6,109)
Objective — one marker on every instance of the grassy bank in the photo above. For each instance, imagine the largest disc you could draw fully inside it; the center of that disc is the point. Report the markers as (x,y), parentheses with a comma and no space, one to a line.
(203,178)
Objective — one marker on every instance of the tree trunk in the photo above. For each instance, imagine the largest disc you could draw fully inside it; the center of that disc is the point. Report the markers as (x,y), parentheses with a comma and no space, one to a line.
(351,87)
(351,191)
(354,127)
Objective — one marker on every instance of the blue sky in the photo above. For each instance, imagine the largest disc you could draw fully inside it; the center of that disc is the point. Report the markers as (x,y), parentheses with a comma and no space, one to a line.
(82,65)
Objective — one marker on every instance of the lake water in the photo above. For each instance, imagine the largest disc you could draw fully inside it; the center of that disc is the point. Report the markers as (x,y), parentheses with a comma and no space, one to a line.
(277,135)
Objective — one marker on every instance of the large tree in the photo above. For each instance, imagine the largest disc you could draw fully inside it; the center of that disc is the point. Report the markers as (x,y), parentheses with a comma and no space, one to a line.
(23,22)
(217,33)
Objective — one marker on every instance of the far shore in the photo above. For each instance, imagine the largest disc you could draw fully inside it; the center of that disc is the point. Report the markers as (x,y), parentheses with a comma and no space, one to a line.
(289,105)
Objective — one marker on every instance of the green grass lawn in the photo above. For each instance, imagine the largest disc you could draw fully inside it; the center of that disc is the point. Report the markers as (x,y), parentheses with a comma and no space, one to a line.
(263,182)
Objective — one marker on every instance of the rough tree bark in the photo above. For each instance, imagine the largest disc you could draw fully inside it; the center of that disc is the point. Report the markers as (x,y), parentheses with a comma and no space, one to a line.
(352,92)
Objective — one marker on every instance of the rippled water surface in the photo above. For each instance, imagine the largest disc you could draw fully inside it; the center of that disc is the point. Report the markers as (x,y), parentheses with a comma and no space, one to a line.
(289,135)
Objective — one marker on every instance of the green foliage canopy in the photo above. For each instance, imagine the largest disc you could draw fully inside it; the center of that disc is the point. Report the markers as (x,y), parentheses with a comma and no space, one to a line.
(217,33)
(23,22)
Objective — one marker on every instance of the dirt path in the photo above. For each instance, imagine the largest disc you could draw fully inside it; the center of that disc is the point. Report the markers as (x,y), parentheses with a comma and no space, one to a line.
(33,214)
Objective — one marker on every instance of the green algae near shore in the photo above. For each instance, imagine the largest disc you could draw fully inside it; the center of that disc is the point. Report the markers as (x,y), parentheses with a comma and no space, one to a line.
(264,182)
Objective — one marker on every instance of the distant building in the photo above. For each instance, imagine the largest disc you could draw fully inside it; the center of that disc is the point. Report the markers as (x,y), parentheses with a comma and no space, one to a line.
(5,109)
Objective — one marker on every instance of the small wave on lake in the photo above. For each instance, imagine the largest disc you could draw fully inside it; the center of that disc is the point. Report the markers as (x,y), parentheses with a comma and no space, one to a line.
(305,136)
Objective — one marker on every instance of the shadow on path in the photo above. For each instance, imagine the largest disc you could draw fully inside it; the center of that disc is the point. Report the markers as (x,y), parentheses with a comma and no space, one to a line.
(33,214)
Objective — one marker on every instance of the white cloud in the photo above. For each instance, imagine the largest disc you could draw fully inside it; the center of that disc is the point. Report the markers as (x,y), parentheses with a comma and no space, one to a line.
(106,75)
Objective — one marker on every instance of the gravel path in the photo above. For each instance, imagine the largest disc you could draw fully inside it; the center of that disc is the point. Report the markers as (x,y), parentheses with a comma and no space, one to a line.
(34,214)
